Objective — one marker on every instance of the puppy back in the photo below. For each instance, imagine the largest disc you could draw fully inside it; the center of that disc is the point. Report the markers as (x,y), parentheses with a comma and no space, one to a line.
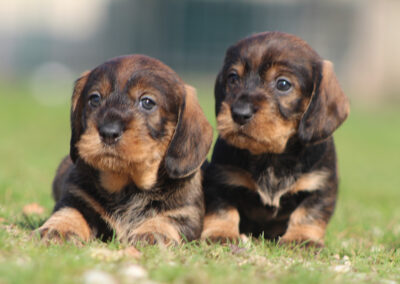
(59,182)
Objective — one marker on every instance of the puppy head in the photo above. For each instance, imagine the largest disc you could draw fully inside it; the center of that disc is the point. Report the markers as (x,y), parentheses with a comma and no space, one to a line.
(132,115)
(274,87)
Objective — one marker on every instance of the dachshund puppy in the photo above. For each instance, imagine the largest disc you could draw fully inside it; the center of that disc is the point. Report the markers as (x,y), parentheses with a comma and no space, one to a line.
(138,140)
(273,170)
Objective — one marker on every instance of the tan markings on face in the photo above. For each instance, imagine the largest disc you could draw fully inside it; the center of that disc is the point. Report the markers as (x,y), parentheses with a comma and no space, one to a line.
(92,150)
(290,99)
(267,132)
(140,90)
(155,226)
(254,54)
(66,223)
(222,226)
(136,155)
(302,227)
(238,68)
(103,86)
(143,153)
(311,181)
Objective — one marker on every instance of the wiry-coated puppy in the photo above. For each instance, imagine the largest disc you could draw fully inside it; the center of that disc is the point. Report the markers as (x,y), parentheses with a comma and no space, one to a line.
(138,140)
(273,169)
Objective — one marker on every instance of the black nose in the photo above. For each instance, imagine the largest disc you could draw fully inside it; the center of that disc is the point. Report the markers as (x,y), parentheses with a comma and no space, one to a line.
(242,113)
(110,132)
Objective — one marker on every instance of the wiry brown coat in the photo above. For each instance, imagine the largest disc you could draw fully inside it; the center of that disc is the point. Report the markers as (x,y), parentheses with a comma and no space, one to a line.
(273,169)
(138,140)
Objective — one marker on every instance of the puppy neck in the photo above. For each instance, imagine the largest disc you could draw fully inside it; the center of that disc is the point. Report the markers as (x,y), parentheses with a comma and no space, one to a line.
(144,176)
(113,182)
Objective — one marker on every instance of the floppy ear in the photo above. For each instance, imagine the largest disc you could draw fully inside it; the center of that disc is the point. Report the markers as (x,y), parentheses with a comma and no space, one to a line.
(192,138)
(76,114)
(219,92)
(328,108)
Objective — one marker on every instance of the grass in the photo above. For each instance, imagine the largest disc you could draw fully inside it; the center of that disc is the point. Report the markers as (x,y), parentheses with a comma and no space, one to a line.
(362,242)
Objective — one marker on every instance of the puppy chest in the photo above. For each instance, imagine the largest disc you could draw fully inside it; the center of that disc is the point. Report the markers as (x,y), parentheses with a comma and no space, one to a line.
(126,217)
(266,187)
(271,187)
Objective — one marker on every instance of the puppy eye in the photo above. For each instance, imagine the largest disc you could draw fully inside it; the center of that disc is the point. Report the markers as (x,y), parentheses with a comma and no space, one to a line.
(147,103)
(283,85)
(233,78)
(94,100)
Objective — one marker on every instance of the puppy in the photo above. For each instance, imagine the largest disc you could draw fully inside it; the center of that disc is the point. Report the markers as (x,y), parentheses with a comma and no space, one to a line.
(273,170)
(138,140)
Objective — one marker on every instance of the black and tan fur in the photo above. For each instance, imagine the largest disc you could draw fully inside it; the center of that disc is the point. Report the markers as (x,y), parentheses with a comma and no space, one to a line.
(273,169)
(138,140)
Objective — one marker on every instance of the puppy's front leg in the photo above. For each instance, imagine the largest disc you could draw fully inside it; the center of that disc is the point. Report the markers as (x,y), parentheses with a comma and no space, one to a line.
(65,224)
(308,222)
(221,225)
(156,230)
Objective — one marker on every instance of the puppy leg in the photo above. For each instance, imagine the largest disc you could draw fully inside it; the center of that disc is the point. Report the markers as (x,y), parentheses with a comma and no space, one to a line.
(66,224)
(308,222)
(302,230)
(156,230)
(221,225)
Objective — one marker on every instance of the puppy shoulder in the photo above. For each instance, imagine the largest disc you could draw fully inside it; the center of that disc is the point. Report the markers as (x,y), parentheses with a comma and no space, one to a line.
(318,156)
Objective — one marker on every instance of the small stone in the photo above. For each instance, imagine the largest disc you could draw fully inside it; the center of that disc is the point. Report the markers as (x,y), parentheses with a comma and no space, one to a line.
(133,272)
(98,277)
(342,268)
(33,209)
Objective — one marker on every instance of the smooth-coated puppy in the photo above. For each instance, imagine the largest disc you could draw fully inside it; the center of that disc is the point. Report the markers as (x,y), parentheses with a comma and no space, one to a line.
(273,170)
(138,140)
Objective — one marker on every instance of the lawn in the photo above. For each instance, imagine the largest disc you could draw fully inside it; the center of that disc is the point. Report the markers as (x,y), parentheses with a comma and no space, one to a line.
(362,242)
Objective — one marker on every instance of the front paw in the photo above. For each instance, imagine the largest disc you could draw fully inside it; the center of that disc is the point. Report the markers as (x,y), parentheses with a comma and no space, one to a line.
(305,243)
(52,235)
(304,235)
(222,226)
(65,225)
(220,236)
(151,238)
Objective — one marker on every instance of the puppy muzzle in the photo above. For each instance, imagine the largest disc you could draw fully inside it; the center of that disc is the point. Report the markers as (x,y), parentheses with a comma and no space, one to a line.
(242,112)
(111,132)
